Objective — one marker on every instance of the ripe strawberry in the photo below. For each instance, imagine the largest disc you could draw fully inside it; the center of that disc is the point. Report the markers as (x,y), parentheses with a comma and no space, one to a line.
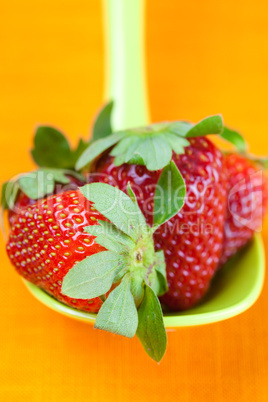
(65,246)
(247,202)
(192,240)
(47,239)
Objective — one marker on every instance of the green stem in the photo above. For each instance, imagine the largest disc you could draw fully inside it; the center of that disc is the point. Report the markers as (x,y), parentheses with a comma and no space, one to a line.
(125,64)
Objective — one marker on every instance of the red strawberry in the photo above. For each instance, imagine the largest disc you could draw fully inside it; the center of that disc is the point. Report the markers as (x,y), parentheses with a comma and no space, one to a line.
(192,240)
(47,239)
(63,245)
(247,202)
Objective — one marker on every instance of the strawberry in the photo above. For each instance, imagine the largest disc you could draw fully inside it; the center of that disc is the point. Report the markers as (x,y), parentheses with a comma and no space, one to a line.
(192,240)
(92,249)
(247,202)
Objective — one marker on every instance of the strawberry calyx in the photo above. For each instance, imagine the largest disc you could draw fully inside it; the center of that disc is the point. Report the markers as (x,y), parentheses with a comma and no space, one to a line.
(130,265)
(53,154)
(36,184)
(52,149)
(235,138)
(152,145)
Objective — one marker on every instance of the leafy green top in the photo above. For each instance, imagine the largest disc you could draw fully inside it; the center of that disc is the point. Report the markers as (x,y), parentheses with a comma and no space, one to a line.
(151,146)
(130,262)
(235,138)
(102,125)
(53,154)
(52,149)
(36,184)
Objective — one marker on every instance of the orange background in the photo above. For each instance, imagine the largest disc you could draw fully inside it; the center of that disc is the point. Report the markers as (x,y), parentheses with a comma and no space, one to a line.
(204,57)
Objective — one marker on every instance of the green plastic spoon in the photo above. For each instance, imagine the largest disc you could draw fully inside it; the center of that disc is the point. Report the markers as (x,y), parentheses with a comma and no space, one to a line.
(239,283)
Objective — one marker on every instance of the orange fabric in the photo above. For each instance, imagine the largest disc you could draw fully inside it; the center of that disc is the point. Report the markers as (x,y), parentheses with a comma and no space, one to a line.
(204,57)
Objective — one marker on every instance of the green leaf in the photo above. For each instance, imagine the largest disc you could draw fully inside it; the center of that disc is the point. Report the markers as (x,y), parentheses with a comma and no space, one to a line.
(4,201)
(119,314)
(155,152)
(93,276)
(42,182)
(177,143)
(58,175)
(234,138)
(115,205)
(140,216)
(9,194)
(81,147)
(121,148)
(151,330)
(102,126)
(126,151)
(161,273)
(134,160)
(180,127)
(169,194)
(37,184)
(67,173)
(51,148)
(137,288)
(210,125)
(96,148)
(161,264)
(110,237)
(152,149)
(157,278)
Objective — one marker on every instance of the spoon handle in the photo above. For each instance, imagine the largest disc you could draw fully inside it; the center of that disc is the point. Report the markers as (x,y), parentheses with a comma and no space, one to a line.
(125,81)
